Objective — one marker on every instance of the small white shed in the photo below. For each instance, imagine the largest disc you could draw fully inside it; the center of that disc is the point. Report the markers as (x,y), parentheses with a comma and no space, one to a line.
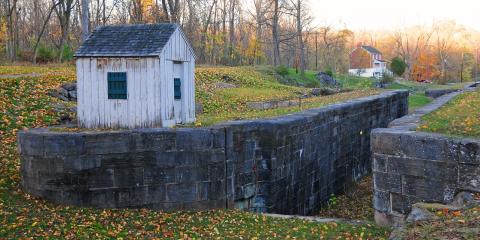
(134,76)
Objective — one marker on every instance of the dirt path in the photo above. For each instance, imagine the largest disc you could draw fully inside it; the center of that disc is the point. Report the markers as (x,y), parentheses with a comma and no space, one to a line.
(19,75)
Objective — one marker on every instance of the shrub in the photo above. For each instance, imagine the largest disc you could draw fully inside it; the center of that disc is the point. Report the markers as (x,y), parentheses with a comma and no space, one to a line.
(282,70)
(45,54)
(329,72)
(312,84)
(386,78)
(67,53)
(398,66)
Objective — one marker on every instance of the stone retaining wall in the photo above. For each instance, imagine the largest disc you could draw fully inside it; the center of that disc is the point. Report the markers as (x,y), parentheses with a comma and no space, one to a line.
(290,164)
(435,93)
(410,166)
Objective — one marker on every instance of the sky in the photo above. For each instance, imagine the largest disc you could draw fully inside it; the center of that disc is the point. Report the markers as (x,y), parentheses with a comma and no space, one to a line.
(385,14)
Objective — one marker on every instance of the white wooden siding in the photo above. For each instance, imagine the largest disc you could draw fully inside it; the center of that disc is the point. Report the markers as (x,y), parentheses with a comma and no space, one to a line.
(140,109)
(150,90)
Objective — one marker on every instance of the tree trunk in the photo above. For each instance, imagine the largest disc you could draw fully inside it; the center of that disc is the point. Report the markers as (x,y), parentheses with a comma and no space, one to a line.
(44,26)
(275,35)
(11,15)
(300,43)
(232,30)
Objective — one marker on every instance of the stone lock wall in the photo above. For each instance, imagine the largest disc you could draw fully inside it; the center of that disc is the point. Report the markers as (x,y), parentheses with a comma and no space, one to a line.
(290,164)
(411,167)
(154,168)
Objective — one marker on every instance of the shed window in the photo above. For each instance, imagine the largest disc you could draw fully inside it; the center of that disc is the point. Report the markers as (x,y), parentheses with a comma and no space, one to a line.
(117,85)
(176,87)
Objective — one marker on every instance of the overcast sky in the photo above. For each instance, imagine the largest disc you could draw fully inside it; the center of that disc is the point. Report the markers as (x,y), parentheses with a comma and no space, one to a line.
(382,14)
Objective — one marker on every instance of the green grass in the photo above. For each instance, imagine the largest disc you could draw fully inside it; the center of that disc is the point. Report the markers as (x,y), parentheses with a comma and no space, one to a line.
(459,117)
(417,100)
(253,84)
(354,82)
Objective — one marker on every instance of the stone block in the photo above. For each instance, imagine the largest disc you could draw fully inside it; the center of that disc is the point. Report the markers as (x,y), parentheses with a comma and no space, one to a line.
(31,144)
(108,142)
(193,139)
(469,177)
(381,201)
(388,182)
(181,192)
(425,189)
(65,144)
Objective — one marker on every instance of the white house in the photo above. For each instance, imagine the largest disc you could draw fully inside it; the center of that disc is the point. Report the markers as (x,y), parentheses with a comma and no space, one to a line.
(367,61)
(134,76)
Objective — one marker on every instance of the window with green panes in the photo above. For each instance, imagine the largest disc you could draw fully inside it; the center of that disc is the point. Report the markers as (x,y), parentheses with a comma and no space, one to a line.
(117,85)
(177,88)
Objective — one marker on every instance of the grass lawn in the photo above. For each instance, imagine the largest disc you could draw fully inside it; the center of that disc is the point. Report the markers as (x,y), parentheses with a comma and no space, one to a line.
(417,100)
(24,103)
(459,117)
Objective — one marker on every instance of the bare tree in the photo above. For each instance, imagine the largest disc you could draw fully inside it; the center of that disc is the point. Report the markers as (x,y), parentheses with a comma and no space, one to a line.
(64,11)
(40,34)
(11,13)
(275,34)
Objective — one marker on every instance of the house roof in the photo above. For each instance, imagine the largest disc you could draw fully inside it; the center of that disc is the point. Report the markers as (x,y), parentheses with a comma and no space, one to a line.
(134,40)
(371,49)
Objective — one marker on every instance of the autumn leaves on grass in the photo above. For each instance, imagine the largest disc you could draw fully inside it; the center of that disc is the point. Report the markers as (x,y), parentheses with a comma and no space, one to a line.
(460,117)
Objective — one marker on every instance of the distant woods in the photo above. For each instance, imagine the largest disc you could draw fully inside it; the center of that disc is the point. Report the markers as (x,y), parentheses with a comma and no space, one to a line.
(237,32)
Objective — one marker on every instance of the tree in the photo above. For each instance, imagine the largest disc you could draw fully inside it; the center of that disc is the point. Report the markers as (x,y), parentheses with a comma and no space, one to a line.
(275,34)
(42,31)
(11,14)
(64,11)
(398,66)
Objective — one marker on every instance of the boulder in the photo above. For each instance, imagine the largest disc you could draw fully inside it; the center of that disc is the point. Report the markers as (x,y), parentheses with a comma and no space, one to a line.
(323,91)
(420,214)
(70,86)
(326,79)
(225,85)
(464,199)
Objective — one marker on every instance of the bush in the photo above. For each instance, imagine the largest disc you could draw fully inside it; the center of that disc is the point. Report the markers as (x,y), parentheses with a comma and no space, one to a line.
(282,70)
(386,78)
(329,72)
(312,84)
(398,66)
(45,54)
(67,53)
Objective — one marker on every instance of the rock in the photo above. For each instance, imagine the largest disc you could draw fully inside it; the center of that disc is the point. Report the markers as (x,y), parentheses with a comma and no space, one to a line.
(420,214)
(72,94)
(464,199)
(326,79)
(70,86)
(323,91)
(66,92)
(225,85)
(63,92)
(198,108)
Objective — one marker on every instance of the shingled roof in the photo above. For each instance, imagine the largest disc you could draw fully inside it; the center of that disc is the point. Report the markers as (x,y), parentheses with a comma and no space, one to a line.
(371,49)
(135,40)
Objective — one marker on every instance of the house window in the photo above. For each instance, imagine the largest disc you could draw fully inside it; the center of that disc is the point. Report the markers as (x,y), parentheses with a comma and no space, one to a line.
(117,85)
(176,87)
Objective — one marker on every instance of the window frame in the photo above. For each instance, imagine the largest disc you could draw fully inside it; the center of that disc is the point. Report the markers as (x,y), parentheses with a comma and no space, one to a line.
(117,85)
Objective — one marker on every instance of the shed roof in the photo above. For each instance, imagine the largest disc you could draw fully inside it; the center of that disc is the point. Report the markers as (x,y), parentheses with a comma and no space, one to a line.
(371,49)
(134,40)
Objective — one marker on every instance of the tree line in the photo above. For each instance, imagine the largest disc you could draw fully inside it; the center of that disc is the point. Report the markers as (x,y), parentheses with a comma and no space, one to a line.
(237,32)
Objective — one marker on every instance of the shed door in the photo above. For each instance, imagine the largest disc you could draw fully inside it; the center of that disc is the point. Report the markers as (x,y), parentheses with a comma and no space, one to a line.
(177,88)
